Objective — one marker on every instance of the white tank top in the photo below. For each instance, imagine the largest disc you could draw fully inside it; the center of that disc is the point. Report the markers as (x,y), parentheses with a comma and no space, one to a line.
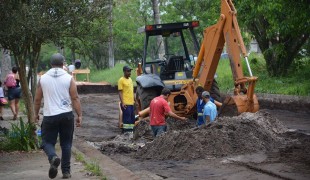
(55,85)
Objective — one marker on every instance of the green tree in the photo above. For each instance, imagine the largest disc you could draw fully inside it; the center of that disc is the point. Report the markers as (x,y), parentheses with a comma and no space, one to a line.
(92,49)
(26,25)
(206,12)
(128,17)
(281,28)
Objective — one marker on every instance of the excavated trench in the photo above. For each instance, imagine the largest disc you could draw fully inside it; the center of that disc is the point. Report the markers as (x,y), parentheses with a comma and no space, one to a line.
(196,151)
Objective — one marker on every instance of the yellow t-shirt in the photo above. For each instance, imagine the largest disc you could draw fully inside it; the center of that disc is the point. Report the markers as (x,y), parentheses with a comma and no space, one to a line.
(126,86)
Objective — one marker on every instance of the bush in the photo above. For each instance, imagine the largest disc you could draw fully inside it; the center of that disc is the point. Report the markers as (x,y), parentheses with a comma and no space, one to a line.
(19,138)
(257,62)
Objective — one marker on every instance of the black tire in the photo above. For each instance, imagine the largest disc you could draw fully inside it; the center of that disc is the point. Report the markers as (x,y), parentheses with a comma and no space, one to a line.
(215,91)
(146,95)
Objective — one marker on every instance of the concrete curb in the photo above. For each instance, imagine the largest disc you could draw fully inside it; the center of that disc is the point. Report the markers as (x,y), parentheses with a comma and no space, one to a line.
(281,102)
(285,102)
(110,169)
(89,89)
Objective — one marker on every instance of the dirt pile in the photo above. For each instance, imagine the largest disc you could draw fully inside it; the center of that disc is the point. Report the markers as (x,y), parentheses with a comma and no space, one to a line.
(131,142)
(242,134)
(143,129)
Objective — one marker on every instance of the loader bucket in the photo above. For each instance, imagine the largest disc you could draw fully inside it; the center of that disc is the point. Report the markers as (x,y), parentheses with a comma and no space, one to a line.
(235,105)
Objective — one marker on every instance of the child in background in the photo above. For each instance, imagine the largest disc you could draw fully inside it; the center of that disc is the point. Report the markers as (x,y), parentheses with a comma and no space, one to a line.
(1,96)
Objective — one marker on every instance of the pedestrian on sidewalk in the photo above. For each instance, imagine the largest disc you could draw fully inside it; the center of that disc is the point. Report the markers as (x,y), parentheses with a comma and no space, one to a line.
(126,96)
(159,108)
(1,102)
(59,91)
(14,91)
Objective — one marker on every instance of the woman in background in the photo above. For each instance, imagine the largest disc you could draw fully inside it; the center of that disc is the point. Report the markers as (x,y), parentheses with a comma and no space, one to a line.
(14,93)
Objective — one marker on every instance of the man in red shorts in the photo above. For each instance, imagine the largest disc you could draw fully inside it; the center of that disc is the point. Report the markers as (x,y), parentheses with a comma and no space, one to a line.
(159,108)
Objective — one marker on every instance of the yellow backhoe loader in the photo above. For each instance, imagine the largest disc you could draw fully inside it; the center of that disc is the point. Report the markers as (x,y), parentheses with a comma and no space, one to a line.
(175,70)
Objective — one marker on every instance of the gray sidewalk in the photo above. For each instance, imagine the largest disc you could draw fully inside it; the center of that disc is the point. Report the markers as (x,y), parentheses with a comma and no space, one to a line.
(33,165)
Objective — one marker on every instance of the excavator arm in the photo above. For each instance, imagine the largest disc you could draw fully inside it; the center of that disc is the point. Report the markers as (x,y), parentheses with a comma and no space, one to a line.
(226,30)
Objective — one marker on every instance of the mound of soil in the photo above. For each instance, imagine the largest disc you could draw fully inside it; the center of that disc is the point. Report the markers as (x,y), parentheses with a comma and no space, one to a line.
(131,142)
(242,134)
(143,129)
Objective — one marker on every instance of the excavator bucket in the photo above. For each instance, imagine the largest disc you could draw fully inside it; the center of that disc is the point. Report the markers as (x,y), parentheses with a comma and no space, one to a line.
(237,104)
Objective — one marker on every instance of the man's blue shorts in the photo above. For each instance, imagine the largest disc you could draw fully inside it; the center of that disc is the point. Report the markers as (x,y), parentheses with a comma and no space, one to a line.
(128,117)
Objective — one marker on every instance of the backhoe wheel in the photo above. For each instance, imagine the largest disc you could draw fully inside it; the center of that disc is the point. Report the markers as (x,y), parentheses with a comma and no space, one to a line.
(146,95)
(215,91)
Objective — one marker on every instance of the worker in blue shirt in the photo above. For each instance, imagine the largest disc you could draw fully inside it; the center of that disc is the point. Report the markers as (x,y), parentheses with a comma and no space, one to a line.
(200,105)
(209,110)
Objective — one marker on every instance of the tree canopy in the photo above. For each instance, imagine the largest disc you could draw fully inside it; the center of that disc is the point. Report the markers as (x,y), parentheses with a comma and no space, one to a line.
(280,27)
(26,25)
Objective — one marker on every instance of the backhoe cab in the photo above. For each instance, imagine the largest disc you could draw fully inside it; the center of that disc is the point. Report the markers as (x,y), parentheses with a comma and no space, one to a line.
(168,52)
(168,60)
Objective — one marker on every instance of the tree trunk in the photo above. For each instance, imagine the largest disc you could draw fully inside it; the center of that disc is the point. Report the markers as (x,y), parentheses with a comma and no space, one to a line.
(160,43)
(27,96)
(73,55)
(5,64)
(277,63)
(279,51)
(111,49)
(280,55)
(34,69)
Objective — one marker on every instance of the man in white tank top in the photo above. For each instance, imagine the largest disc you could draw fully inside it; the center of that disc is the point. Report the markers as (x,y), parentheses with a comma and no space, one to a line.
(58,89)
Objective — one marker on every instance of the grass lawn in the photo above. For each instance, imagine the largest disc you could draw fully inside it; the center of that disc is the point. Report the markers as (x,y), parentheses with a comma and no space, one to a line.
(111,75)
(297,83)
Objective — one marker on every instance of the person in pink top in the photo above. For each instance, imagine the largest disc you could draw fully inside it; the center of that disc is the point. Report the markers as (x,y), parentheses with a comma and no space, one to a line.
(159,108)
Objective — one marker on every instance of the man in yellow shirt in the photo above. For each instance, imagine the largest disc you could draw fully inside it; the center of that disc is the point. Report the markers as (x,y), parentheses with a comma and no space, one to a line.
(126,95)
